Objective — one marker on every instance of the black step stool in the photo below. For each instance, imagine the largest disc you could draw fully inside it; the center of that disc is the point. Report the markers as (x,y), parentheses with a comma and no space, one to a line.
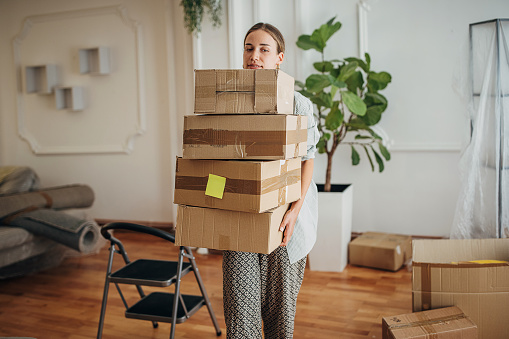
(173,308)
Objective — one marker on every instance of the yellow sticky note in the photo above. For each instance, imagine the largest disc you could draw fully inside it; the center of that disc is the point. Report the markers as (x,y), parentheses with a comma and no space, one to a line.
(215,186)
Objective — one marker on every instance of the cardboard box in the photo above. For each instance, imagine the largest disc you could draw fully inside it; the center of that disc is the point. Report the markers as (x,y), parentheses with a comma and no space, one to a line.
(241,91)
(443,323)
(444,276)
(229,230)
(238,185)
(380,250)
(258,137)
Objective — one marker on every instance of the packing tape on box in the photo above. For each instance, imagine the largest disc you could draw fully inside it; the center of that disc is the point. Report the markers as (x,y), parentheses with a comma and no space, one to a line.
(247,143)
(240,186)
(235,81)
(426,323)
(297,146)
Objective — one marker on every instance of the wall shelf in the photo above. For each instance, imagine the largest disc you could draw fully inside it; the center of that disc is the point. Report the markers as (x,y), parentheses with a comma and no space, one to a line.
(70,98)
(40,79)
(95,60)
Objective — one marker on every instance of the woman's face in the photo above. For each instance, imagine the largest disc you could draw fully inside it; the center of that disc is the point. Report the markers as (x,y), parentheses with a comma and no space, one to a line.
(260,51)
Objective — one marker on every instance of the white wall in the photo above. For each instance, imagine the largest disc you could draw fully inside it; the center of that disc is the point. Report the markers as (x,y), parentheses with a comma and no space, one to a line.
(135,186)
(421,43)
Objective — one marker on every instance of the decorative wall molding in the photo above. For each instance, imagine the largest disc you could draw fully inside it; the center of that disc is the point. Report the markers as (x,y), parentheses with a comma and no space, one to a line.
(125,146)
(363,7)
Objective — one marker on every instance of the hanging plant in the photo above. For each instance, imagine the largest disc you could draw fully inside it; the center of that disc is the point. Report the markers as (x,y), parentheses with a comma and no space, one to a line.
(193,13)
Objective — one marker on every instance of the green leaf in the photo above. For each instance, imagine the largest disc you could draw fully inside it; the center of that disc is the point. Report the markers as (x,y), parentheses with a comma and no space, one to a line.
(321,144)
(355,157)
(304,42)
(373,133)
(335,118)
(384,151)
(335,82)
(378,81)
(305,93)
(378,160)
(335,72)
(321,35)
(369,158)
(359,137)
(300,84)
(354,103)
(360,62)
(326,136)
(322,100)
(368,60)
(317,82)
(356,124)
(373,115)
(376,104)
(323,67)
(355,82)
(347,70)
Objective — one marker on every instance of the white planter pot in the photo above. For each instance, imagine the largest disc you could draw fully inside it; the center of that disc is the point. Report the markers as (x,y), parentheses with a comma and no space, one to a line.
(330,252)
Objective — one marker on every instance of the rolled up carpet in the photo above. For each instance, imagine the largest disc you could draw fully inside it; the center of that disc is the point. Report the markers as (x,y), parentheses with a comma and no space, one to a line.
(60,197)
(81,235)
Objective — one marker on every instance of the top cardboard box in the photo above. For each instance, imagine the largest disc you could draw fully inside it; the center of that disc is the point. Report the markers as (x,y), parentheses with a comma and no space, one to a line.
(444,275)
(242,91)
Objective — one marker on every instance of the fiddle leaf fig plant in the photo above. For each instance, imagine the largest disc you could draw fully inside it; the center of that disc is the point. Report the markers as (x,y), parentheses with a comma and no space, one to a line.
(346,93)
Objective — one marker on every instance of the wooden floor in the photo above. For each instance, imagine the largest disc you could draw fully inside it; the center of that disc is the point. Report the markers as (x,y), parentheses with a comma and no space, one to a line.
(64,302)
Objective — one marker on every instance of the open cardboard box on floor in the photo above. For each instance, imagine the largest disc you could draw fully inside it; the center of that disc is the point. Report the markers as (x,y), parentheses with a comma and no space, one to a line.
(243,91)
(442,323)
(380,250)
(238,185)
(257,137)
(443,275)
(229,230)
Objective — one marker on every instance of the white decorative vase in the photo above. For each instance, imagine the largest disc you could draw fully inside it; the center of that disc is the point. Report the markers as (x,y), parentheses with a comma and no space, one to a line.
(330,252)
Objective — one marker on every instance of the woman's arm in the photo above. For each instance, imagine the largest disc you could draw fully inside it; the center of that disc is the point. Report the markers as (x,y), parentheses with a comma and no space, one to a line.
(290,218)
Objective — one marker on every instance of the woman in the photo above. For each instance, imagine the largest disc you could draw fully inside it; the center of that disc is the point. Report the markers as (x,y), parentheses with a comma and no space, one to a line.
(264,287)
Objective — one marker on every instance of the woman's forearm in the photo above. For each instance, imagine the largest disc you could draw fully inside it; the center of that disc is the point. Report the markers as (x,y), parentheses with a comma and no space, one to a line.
(306,177)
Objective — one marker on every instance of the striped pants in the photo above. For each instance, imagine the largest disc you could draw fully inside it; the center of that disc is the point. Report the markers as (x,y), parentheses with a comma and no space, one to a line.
(260,288)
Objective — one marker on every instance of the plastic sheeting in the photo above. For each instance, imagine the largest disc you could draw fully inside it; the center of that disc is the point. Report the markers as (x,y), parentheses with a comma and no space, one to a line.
(483,205)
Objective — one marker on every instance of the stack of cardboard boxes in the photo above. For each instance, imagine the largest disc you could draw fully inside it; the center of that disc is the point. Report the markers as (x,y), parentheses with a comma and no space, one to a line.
(241,161)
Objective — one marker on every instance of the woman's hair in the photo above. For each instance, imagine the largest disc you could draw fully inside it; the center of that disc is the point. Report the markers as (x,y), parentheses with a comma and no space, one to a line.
(274,33)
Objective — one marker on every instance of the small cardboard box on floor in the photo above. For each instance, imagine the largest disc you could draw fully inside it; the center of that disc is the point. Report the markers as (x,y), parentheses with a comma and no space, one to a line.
(229,230)
(443,323)
(243,91)
(256,137)
(380,250)
(239,185)
(450,273)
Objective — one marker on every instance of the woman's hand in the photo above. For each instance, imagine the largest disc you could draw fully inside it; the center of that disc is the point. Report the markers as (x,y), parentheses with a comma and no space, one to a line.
(288,224)
(290,218)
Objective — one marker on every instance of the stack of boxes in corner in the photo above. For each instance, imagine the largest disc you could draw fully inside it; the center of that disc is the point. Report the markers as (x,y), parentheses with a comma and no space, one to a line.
(241,161)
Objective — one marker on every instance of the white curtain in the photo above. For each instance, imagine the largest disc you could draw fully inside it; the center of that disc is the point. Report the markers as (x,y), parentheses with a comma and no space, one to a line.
(483,205)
